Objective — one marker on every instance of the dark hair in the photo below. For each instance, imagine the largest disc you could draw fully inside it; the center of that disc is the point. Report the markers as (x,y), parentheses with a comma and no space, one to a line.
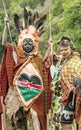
(65,41)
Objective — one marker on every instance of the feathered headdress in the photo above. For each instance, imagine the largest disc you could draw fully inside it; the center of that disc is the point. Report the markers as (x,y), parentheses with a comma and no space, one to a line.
(30,18)
(31,29)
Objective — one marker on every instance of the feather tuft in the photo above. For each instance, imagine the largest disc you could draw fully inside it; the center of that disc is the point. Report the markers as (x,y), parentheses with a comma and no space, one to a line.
(25,16)
(17,23)
(30,18)
(40,21)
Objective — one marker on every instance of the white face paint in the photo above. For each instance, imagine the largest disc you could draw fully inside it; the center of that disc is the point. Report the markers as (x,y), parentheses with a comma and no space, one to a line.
(28,45)
(28,40)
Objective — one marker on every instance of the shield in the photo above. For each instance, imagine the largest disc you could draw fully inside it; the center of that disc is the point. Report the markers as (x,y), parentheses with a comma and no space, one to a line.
(28,84)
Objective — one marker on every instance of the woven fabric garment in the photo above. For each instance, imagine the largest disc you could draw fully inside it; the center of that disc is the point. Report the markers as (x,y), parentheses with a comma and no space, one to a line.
(48,96)
(9,69)
(0,115)
(47,82)
(70,69)
(6,73)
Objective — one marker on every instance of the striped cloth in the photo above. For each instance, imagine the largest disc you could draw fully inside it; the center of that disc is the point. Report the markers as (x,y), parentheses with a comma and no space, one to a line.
(70,69)
(48,96)
(8,69)
(47,82)
(6,73)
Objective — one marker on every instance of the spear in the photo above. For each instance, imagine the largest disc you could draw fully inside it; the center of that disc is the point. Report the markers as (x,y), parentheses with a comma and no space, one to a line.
(7,22)
(52,68)
(14,53)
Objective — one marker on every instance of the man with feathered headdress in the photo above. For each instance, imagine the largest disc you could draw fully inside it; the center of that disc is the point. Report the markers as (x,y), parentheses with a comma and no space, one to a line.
(22,69)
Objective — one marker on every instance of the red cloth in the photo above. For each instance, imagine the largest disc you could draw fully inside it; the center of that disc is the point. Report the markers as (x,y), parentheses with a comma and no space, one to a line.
(3,77)
(47,81)
(0,115)
(8,70)
(48,96)
(6,73)
(0,123)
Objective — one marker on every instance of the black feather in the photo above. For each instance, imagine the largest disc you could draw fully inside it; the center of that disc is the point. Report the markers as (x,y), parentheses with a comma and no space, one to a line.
(40,21)
(40,32)
(26,14)
(17,23)
(35,16)
(30,18)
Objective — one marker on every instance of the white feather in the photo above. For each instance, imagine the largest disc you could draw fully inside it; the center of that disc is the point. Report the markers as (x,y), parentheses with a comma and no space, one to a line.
(52,70)
(15,56)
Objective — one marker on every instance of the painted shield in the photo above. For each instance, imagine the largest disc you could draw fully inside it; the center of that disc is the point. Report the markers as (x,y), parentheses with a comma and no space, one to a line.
(28,84)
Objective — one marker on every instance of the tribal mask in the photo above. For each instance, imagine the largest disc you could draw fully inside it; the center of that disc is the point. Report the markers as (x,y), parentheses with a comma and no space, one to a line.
(32,29)
(28,40)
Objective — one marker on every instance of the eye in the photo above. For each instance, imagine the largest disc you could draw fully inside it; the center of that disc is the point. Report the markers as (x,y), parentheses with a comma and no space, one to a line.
(27,41)
(63,50)
(28,45)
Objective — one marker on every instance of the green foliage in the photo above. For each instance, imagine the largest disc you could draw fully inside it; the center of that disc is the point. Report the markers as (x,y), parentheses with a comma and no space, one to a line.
(57,7)
(72,15)
(70,23)
(66,19)
(33,3)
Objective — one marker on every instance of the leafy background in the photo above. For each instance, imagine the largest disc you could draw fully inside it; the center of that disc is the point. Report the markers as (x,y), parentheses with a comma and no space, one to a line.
(65,17)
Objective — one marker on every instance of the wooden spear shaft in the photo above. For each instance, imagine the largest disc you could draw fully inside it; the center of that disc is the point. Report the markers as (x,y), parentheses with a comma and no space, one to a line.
(73,98)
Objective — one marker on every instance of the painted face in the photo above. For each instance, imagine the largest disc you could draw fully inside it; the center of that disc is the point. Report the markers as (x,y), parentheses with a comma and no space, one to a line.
(28,45)
(65,51)
(28,41)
